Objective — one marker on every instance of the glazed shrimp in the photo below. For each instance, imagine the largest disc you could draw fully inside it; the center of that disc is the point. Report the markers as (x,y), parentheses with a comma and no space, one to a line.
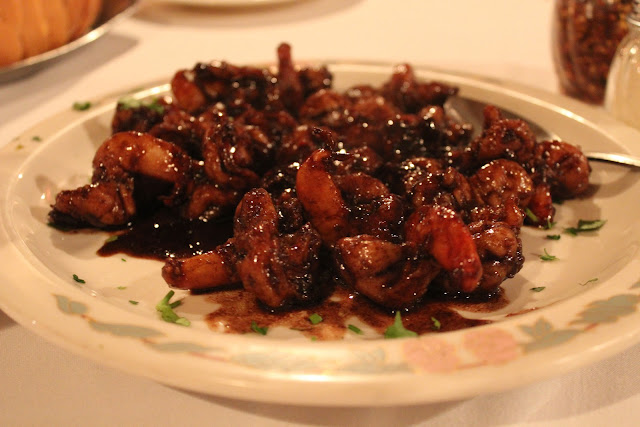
(206,271)
(440,232)
(321,197)
(279,269)
(109,200)
(383,272)
(500,251)
(437,245)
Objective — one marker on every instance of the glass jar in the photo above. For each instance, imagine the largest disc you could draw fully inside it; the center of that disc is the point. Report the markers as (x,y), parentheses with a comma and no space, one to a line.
(585,36)
(622,97)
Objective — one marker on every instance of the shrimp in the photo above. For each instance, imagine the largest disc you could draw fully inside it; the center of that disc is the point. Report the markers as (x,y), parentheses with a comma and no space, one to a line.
(437,245)
(109,200)
(564,167)
(499,180)
(212,269)
(103,204)
(503,138)
(279,269)
(441,232)
(235,156)
(500,251)
(381,270)
(321,197)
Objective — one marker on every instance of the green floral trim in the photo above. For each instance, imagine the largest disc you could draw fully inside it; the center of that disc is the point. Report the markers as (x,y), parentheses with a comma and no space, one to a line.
(427,353)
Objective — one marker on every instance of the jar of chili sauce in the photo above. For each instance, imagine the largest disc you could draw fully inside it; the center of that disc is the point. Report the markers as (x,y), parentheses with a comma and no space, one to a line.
(585,36)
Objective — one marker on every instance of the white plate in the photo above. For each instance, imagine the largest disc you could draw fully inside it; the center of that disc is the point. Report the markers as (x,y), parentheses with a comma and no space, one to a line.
(578,320)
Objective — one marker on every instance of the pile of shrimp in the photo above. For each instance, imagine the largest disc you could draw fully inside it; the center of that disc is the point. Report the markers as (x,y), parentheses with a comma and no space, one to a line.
(375,188)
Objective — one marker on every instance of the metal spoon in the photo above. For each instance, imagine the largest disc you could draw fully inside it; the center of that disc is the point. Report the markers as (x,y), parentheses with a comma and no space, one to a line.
(467,110)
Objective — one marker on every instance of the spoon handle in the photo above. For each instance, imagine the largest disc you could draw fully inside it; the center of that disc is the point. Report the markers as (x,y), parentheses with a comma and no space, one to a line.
(614,158)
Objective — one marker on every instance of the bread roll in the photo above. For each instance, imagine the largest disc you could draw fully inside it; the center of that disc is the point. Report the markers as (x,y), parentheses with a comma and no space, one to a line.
(84,14)
(11,19)
(11,49)
(57,16)
(31,27)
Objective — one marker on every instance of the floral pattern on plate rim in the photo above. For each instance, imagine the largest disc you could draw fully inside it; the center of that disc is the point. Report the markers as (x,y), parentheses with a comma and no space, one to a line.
(429,353)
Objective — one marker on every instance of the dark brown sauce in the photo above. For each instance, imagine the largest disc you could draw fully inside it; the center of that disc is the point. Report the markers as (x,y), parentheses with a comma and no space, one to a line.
(166,234)
(239,311)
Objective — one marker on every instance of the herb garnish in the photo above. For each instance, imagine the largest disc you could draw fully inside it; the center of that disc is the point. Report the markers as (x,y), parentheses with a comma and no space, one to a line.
(547,256)
(77,279)
(166,310)
(595,279)
(315,318)
(355,329)
(257,329)
(553,236)
(122,288)
(133,302)
(36,138)
(129,103)
(538,289)
(436,324)
(81,106)
(111,239)
(533,217)
(586,225)
(397,330)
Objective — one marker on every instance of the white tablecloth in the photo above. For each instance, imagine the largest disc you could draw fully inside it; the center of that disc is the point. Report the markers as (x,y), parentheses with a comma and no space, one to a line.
(41,384)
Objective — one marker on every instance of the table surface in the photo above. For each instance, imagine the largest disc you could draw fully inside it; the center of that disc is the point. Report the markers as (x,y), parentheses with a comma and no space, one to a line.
(43,384)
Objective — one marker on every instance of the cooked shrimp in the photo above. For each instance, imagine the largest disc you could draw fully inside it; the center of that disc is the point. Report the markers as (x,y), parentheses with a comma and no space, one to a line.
(321,197)
(209,270)
(564,167)
(382,271)
(109,200)
(278,269)
(440,232)
(499,180)
(500,251)
(103,204)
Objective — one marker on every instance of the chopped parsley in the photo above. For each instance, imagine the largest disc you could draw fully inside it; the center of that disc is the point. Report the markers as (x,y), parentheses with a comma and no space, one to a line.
(533,217)
(129,103)
(547,256)
(77,279)
(133,302)
(595,279)
(553,236)
(258,329)
(122,288)
(586,225)
(538,289)
(166,310)
(111,239)
(355,329)
(436,324)
(36,138)
(81,106)
(315,318)
(397,330)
